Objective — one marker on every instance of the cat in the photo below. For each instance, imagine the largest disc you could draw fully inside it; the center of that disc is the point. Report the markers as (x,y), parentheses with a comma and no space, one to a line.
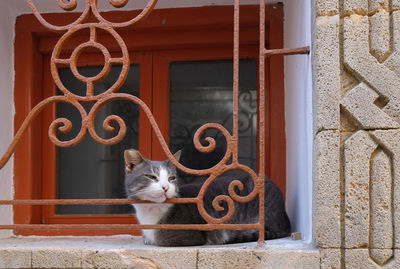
(157,181)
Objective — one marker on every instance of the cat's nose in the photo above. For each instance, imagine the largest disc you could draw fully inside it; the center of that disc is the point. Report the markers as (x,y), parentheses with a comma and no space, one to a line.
(165,187)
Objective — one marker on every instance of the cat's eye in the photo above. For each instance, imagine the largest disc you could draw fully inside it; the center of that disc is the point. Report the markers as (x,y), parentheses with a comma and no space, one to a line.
(171,178)
(152,177)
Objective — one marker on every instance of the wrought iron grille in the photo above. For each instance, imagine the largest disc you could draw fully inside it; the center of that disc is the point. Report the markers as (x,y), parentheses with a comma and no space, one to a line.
(230,160)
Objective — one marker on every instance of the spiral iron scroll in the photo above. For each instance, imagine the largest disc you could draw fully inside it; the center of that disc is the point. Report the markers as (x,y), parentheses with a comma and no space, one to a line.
(64,125)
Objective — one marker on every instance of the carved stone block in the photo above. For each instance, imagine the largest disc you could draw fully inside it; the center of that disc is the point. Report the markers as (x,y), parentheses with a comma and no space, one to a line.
(380,43)
(326,72)
(326,7)
(357,153)
(378,5)
(259,259)
(15,258)
(326,202)
(372,189)
(360,103)
(358,59)
(393,61)
(395,4)
(360,258)
(355,6)
(368,193)
(389,140)
(330,258)
(60,258)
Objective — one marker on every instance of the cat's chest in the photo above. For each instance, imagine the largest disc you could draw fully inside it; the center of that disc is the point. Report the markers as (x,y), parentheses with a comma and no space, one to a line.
(150,214)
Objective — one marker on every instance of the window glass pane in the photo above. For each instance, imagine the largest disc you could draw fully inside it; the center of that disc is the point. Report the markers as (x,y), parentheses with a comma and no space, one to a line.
(202,92)
(90,169)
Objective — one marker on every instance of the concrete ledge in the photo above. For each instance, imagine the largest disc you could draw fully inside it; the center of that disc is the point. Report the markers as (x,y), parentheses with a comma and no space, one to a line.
(129,252)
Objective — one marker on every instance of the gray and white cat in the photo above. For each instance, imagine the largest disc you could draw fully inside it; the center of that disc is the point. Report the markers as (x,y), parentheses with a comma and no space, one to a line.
(156,181)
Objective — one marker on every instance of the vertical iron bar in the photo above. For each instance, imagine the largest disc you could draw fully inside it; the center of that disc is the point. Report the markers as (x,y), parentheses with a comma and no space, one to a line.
(235,81)
(261,110)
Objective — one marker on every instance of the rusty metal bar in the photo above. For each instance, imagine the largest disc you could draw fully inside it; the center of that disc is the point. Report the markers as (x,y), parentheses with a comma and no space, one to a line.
(290,51)
(203,227)
(235,134)
(261,157)
(91,201)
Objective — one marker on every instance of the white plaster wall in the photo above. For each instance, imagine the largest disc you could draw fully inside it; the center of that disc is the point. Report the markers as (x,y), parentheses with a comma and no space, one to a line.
(298,108)
(6,108)
(298,99)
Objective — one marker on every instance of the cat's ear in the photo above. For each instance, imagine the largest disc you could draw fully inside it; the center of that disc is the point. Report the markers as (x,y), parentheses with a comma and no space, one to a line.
(132,159)
(177,155)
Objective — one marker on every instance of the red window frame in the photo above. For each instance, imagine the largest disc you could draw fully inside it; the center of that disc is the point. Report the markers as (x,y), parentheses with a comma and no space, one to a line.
(207,31)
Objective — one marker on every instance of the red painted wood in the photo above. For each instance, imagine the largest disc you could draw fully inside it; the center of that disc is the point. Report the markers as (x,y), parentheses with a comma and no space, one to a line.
(187,34)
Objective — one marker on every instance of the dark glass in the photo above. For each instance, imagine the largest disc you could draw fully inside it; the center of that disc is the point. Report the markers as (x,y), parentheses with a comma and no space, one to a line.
(202,92)
(91,170)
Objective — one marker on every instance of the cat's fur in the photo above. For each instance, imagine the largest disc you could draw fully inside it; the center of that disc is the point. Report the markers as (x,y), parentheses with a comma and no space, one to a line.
(156,181)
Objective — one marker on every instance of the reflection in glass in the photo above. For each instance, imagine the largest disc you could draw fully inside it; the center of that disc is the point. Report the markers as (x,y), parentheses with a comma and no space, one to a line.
(202,92)
(90,169)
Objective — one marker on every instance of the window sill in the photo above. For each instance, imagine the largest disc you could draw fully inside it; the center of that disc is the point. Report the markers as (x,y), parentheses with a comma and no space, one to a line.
(129,252)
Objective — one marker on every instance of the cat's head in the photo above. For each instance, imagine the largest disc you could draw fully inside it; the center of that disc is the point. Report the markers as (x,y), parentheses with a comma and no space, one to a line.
(149,180)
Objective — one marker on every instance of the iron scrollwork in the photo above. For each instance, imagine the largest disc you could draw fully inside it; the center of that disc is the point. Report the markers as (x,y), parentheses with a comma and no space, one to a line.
(229,160)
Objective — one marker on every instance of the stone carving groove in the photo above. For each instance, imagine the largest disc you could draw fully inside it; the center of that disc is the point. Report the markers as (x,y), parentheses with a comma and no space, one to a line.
(381,211)
(371,162)
(363,35)
(371,55)
(357,153)
(390,140)
(393,61)
(380,41)
(359,102)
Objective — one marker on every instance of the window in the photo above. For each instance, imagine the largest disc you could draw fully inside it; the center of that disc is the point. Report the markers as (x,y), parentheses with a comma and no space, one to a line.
(175,55)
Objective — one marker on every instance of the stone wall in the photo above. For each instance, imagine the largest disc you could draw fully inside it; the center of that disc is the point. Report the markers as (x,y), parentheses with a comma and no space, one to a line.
(127,252)
(356,57)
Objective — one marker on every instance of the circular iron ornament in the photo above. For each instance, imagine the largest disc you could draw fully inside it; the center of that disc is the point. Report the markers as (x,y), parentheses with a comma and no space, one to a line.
(229,200)
(64,125)
(77,52)
(57,61)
